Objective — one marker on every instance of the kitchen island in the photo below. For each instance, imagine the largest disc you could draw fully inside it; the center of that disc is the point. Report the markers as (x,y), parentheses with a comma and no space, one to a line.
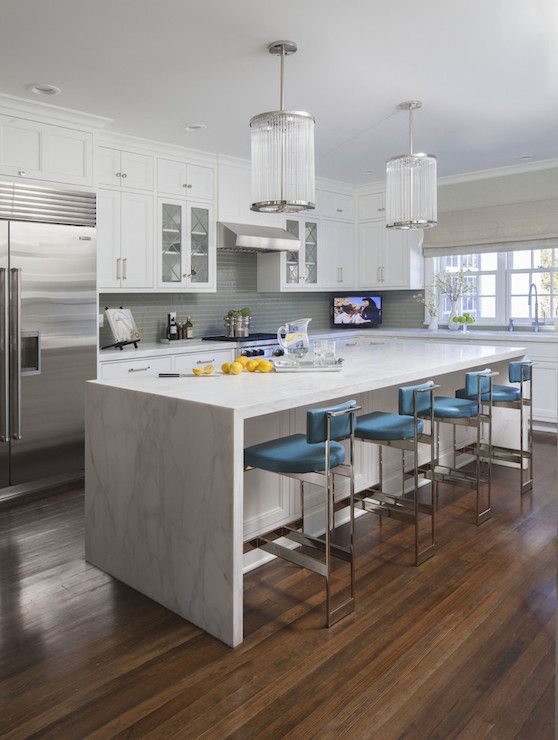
(165,492)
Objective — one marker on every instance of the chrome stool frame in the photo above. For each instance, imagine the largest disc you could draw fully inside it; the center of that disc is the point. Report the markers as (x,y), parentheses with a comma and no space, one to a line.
(452,474)
(510,454)
(320,560)
(374,499)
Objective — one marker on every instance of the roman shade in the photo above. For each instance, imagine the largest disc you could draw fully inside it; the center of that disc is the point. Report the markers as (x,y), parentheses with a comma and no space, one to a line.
(500,228)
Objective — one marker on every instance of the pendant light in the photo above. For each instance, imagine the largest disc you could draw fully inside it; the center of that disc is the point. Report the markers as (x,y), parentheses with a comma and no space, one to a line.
(282,141)
(411,186)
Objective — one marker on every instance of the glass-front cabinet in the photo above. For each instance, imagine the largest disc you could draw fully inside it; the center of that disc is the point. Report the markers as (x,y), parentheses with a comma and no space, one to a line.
(186,245)
(301,268)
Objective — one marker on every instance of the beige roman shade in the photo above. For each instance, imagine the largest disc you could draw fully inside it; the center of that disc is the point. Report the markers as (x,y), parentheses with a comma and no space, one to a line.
(499,228)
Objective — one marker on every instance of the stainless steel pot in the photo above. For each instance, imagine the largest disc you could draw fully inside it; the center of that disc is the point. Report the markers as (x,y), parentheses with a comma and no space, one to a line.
(238,326)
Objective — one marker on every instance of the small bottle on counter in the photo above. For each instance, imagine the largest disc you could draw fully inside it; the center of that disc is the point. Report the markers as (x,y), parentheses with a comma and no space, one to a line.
(188,328)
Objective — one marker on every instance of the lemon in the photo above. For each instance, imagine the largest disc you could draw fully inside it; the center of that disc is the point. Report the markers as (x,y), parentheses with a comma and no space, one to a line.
(252,365)
(209,369)
(243,360)
(265,366)
(226,368)
(197,371)
(236,368)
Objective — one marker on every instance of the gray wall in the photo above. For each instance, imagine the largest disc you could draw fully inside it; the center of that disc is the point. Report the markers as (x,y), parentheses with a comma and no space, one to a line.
(236,287)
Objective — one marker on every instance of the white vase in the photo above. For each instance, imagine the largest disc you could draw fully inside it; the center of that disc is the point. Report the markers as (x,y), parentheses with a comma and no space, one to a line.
(433,324)
(452,326)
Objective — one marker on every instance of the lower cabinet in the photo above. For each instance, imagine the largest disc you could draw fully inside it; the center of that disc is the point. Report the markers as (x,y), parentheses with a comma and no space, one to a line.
(151,366)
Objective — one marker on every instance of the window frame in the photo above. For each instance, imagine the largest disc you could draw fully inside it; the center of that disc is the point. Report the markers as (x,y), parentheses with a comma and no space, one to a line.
(503,281)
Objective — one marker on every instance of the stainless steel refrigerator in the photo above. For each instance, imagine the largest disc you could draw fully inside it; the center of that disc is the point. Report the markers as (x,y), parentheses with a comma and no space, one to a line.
(48,333)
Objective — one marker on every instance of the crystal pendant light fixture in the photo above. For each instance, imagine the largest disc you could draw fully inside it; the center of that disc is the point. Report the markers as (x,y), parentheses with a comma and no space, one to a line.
(411,187)
(283,176)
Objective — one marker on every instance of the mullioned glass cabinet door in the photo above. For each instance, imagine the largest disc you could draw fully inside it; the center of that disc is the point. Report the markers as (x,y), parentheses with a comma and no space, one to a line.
(171,240)
(199,245)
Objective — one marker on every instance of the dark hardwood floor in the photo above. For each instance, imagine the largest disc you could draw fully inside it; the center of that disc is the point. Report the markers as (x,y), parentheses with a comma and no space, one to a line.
(461,647)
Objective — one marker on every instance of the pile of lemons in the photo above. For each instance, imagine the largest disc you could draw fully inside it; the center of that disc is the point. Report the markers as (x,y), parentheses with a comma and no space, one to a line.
(261,365)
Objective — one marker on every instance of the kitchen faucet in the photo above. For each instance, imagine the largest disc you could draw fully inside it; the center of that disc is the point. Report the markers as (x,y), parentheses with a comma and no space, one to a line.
(535,323)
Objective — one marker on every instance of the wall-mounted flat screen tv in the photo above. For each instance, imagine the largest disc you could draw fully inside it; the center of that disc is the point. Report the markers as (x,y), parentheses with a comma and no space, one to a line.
(356,311)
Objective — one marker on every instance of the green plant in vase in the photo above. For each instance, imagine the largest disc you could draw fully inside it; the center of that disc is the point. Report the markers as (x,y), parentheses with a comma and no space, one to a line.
(465,320)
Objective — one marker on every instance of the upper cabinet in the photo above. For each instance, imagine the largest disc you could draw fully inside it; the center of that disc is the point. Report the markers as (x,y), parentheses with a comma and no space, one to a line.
(339,206)
(298,269)
(235,196)
(185,179)
(119,168)
(371,205)
(29,149)
(337,267)
(389,259)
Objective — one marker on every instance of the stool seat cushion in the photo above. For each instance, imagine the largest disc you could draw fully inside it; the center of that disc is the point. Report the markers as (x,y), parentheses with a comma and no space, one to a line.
(381,425)
(293,454)
(454,408)
(499,393)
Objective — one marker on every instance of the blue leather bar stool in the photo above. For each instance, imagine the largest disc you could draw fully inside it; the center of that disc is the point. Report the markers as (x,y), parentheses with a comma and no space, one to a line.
(314,457)
(518,397)
(472,408)
(404,431)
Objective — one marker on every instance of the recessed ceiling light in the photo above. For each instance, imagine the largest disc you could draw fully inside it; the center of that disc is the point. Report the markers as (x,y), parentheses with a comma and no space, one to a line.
(43,88)
(526,157)
(195,126)
(368,172)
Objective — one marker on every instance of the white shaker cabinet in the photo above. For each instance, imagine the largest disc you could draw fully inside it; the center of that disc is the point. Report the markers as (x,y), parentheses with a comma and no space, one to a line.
(293,270)
(124,240)
(339,206)
(29,149)
(185,179)
(389,259)
(119,168)
(337,268)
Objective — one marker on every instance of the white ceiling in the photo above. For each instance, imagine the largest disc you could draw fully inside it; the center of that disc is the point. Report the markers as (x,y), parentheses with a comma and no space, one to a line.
(486,70)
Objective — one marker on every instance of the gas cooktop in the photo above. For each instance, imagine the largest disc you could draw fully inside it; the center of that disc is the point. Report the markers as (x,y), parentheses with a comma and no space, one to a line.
(256,337)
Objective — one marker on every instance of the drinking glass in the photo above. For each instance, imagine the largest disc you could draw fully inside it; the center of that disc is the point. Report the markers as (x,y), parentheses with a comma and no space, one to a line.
(329,352)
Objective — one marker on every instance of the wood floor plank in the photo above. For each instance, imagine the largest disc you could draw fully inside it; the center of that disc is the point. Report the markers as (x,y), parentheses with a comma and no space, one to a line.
(462,647)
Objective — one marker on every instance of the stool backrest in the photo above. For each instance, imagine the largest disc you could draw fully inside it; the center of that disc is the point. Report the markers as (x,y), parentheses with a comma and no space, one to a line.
(339,426)
(473,379)
(407,397)
(520,370)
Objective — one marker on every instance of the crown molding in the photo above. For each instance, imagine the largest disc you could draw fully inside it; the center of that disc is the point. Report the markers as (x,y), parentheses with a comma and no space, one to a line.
(150,146)
(47,113)
(513,169)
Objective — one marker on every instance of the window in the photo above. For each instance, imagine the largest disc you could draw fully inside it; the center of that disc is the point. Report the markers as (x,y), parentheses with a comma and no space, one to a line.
(500,285)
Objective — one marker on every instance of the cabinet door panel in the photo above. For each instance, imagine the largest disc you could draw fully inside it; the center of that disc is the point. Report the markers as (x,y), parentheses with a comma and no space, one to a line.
(185,363)
(370,206)
(395,261)
(109,266)
(200,181)
(545,392)
(108,166)
(148,366)
(137,240)
(336,205)
(68,155)
(371,239)
(172,177)
(21,147)
(171,257)
(137,170)
(202,253)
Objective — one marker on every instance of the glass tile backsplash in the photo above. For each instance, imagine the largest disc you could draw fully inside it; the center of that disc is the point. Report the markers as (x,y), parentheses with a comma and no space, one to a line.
(236,288)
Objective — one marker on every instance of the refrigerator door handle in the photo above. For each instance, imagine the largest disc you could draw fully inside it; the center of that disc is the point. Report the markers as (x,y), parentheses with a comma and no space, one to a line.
(15,353)
(4,357)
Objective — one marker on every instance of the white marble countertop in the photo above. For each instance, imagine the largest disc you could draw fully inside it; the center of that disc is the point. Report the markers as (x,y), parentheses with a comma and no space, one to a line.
(365,368)
(513,338)
(148,349)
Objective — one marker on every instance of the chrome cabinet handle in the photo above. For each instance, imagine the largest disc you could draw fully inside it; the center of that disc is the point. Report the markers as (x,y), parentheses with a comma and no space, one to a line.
(205,362)
(378,275)
(15,352)
(4,367)
(339,274)
(139,369)
(382,269)
(189,274)
(339,210)
(125,268)
(189,187)
(118,268)
(118,174)
(381,209)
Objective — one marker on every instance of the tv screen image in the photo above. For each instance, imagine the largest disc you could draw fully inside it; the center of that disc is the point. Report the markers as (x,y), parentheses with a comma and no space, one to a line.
(362,311)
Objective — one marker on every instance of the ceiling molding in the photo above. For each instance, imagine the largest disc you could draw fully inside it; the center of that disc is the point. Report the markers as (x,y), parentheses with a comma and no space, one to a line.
(161,148)
(513,169)
(48,113)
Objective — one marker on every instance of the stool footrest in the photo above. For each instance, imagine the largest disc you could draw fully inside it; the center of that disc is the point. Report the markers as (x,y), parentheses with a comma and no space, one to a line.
(426,554)
(343,553)
(292,556)
(389,509)
(484,515)
(340,611)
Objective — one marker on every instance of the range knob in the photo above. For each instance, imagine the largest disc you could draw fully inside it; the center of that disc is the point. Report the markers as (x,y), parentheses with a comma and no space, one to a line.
(248,353)
(259,352)
(278,352)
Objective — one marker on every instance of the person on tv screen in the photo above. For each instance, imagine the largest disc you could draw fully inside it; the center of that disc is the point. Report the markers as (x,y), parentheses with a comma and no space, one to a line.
(370,311)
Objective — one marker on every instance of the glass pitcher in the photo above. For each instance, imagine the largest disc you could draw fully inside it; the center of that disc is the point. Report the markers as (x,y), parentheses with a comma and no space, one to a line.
(295,342)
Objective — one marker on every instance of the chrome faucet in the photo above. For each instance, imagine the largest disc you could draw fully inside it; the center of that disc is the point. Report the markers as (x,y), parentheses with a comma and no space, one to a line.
(535,323)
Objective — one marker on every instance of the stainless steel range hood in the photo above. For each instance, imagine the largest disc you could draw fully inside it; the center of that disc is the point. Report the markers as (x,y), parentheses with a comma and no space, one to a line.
(255,238)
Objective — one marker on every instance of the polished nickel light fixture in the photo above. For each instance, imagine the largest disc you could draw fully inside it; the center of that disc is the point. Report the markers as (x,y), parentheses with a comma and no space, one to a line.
(283,176)
(411,185)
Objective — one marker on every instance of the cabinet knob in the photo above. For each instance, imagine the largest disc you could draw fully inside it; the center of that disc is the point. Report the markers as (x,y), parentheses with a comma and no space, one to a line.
(118,174)
(22,173)
(124,174)
(188,186)
(381,209)
(339,210)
